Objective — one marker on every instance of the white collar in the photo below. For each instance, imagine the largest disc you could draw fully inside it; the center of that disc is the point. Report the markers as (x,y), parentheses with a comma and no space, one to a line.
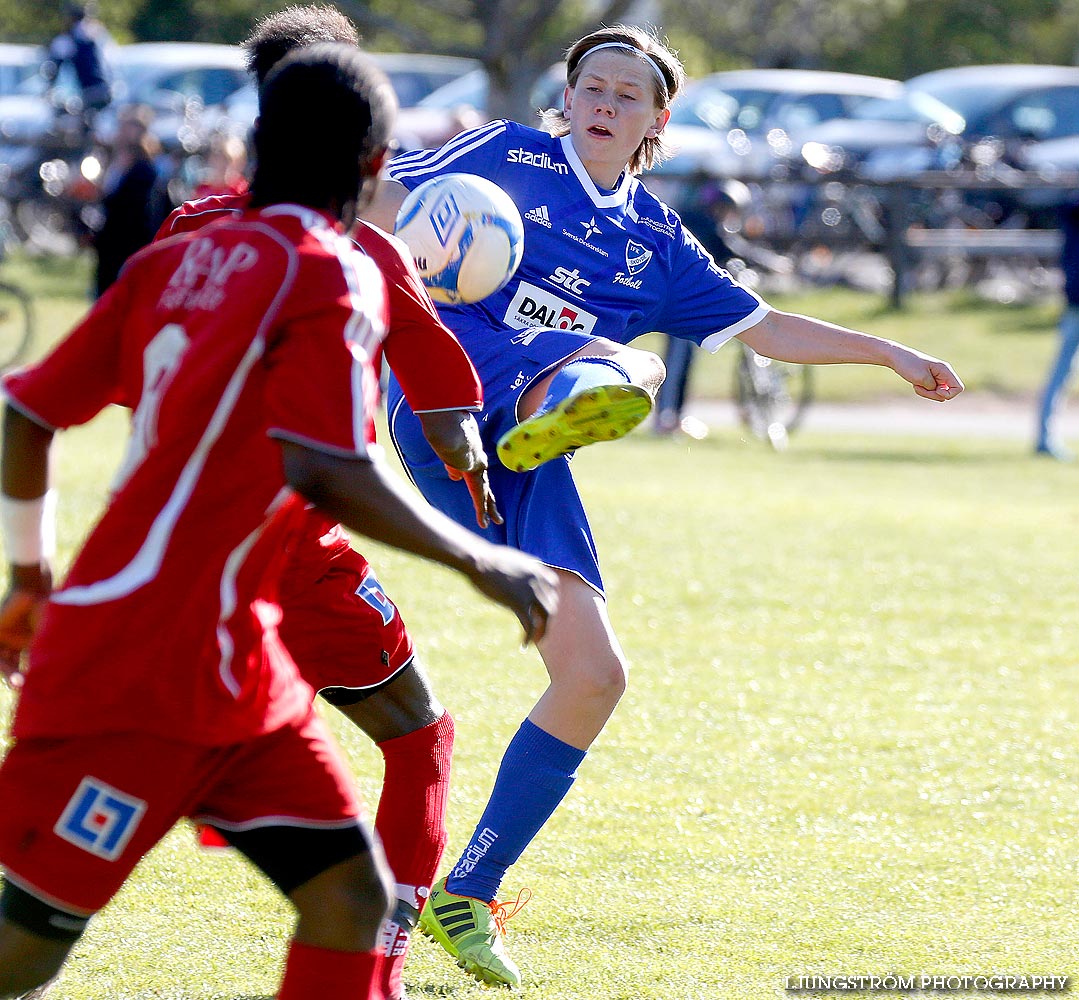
(616,199)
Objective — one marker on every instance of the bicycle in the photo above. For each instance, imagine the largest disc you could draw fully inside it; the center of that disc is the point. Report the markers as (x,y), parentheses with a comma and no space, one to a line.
(771,396)
(16,308)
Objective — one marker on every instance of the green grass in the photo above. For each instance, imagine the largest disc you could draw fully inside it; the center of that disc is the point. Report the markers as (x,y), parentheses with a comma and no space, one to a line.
(850,743)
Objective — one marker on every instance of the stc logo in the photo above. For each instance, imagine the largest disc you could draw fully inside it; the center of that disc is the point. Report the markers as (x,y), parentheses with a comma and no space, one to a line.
(569,280)
(534,306)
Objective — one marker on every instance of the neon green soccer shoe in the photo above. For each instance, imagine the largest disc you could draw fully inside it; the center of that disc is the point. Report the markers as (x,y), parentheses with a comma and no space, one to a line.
(472,931)
(603,413)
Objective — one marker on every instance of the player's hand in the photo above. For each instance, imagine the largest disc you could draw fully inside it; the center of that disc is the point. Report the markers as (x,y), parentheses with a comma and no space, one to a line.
(455,437)
(931,377)
(479,488)
(20,616)
(521,583)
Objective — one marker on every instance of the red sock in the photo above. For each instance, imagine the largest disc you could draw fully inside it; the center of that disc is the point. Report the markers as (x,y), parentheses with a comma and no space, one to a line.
(321,974)
(411,822)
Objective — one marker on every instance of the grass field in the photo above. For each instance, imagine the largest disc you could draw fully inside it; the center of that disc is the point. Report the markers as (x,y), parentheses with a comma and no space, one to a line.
(850,744)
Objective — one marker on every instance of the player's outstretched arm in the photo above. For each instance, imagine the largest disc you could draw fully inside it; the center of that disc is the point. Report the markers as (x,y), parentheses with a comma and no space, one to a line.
(802,340)
(455,437)
(365,496)
(29,535)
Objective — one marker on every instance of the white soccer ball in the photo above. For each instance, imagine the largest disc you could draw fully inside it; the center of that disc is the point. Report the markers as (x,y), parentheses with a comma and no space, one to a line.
(465,235)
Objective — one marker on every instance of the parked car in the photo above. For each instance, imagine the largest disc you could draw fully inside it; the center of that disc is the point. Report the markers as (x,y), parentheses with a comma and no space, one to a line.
(168,76)
(1008,101)
(179,80)
(463,103)
(413,76)
(52,153)
(17,64)
(864,142)
(741,123)
(1003,108)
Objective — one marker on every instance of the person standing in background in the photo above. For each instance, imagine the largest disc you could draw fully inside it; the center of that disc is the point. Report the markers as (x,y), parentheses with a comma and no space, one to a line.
(84,44)
(134,196)
(1056,387)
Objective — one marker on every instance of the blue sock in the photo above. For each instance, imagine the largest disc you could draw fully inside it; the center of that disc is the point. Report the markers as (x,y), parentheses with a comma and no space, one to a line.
(536,772)
(579,375)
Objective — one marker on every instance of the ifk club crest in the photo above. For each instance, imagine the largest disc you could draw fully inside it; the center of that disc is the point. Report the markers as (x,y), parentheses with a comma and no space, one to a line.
(637,257)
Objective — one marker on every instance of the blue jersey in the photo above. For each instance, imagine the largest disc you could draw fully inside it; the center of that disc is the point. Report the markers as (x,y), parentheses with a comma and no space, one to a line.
(614,264)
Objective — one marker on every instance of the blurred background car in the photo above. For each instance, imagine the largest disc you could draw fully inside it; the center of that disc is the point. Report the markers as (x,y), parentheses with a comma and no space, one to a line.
(746,126)
(463,103)
(178,80)
(1011,119)
(413,75)
(865,142)
(53,154)
(743,123)
(1003,109)
(17,63)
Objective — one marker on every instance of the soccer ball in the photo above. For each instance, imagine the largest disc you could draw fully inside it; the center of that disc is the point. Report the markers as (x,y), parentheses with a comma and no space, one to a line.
(465,235)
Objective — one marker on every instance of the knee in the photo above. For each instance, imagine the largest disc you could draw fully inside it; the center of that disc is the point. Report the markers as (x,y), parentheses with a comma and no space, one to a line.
(27,961)
(648,371)
(348,906)
(605,679)
(363,903)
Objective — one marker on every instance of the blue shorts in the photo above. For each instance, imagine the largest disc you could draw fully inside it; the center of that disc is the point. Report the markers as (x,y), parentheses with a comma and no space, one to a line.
(543,512)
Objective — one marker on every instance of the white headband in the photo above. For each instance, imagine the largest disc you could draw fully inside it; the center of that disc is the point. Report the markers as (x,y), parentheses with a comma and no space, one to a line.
(637,52)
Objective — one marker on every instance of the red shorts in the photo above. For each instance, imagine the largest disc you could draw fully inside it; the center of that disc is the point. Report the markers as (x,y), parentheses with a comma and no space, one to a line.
(341,628)
(78,814)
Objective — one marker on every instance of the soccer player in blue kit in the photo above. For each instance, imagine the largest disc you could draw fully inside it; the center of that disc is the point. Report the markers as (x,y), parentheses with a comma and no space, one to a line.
(604,262)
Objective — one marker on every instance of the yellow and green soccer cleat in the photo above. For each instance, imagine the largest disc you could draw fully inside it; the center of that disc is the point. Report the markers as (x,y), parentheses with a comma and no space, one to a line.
(602,413)
(472,931)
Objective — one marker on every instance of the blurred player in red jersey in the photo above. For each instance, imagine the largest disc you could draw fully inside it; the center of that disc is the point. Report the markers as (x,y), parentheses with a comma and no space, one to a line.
(345,634)
(157,687)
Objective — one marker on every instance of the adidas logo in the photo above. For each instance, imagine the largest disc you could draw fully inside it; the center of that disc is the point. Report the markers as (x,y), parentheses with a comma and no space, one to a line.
(540,216)
(456,917)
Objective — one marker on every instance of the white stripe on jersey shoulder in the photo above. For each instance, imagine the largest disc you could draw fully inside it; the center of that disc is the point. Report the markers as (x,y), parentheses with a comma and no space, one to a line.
(616,199)
(146,563)
(425,161)
(208,209)
(309,218)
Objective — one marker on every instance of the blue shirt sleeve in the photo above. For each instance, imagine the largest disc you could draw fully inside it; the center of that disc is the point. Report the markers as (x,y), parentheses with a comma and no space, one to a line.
(475,151)
(703,302)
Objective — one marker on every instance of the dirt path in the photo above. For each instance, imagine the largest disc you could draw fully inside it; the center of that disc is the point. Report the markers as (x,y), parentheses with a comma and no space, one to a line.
(969,414)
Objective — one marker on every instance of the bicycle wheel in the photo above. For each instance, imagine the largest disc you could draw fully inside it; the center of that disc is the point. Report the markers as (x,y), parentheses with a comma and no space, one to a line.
(16,324)
(772,396)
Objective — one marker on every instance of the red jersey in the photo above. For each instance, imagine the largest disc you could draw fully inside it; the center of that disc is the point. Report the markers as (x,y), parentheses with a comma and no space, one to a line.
(432,367)
(262,327)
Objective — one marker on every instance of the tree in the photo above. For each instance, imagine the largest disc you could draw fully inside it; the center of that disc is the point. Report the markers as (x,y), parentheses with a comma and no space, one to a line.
(515,40)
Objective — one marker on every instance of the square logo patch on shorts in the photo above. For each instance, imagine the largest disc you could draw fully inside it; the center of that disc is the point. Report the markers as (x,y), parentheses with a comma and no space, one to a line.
(99,818)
